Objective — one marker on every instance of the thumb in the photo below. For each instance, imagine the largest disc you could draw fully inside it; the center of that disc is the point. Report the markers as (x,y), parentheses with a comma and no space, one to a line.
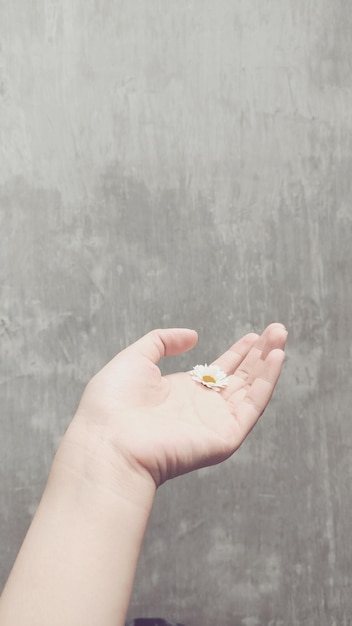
(164,342)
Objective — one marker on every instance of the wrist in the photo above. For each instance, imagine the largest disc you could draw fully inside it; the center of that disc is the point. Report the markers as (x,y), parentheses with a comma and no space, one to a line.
(88,458)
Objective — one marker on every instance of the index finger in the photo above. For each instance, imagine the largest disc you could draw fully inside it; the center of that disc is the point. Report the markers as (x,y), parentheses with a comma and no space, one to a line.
(257,396)
(233,357)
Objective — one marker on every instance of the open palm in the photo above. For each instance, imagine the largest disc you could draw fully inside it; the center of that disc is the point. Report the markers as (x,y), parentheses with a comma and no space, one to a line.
(170,425)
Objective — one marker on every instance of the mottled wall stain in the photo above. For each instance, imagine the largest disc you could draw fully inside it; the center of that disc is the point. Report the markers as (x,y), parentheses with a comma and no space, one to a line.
(186,163)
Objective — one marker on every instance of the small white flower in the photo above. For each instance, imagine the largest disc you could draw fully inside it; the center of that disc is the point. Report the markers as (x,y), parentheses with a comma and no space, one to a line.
(210,375)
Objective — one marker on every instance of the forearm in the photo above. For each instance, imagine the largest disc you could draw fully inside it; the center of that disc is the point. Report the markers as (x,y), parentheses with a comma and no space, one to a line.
(133,430)
(77,564)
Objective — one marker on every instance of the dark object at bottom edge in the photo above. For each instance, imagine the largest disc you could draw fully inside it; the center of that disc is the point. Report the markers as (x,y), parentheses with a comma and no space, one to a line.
(151,621)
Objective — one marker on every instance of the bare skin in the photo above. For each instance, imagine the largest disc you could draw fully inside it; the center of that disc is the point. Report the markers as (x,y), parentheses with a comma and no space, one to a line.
(133,430)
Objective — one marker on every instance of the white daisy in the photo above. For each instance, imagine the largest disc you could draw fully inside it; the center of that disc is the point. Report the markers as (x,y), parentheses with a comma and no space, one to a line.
(210,375)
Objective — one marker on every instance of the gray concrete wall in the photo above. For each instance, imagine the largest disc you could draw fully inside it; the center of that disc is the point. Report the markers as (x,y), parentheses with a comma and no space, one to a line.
(186,163)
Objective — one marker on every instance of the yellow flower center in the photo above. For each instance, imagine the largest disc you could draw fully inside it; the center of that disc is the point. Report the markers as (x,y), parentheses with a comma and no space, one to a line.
(209,379)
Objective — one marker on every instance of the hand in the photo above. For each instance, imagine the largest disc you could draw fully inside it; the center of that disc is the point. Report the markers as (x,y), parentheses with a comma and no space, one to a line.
(170,425)
(133,430)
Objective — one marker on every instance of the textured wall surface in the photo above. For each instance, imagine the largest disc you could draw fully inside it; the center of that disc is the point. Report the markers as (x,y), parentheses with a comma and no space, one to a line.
(186,163)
